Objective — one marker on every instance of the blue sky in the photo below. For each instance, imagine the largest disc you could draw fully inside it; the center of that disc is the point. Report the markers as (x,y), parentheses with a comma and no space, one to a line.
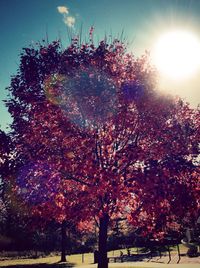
(23,22)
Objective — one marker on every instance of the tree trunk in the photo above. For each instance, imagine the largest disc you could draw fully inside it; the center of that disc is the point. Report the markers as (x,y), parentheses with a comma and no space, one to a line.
(63,241)
(103,233)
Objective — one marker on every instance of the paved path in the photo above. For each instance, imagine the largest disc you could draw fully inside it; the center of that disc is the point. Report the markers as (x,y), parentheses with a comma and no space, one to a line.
(146,265)
(185,262)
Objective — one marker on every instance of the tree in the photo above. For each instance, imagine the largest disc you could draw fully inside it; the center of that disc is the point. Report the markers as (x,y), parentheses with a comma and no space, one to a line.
(94,139)
(13,220)
(4,153)
(4,167)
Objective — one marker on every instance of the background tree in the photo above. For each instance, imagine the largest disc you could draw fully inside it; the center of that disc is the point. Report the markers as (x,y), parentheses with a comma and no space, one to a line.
(13,213)
(4,168)
(94,139)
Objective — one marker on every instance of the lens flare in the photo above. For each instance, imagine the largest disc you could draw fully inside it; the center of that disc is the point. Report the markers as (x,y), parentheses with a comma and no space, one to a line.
(87,97)
(51,88)
(37,182)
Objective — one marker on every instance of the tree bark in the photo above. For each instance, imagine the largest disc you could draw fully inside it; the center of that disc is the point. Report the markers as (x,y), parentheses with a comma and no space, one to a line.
(63,242)
(103,233)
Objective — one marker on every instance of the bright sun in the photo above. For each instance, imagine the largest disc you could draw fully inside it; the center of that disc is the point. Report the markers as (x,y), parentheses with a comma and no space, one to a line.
(176,54)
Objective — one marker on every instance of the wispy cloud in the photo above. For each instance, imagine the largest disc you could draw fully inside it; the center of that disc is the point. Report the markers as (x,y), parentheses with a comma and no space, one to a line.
(63,9)
(68,20)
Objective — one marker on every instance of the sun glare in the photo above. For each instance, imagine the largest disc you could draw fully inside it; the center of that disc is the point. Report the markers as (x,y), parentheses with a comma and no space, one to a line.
(176,55)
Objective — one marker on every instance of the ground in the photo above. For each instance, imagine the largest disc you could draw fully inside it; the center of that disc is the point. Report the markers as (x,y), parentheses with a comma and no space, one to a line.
(86,260)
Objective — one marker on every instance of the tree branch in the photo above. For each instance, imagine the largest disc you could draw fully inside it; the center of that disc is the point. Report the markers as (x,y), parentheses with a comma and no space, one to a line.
(68,176)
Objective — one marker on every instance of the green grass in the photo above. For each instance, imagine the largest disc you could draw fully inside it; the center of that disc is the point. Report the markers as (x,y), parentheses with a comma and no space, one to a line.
(75,259)
(72,260)
(53,262)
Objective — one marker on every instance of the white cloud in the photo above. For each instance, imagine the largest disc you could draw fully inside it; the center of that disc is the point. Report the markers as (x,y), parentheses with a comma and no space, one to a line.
(63,9)
(69,21)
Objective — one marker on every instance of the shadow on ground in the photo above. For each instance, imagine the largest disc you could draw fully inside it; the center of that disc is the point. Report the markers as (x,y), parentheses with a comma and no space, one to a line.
(42,265)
